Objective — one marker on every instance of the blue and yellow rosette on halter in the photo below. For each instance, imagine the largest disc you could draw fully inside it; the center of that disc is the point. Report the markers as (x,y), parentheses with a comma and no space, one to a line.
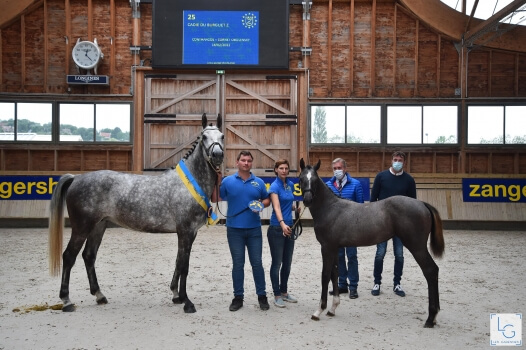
(196,192)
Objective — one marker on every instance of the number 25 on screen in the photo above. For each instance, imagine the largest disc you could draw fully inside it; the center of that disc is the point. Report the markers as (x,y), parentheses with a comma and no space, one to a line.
(191,17)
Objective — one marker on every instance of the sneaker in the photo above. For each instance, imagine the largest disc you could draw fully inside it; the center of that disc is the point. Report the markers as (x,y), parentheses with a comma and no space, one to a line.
(342,290)
(237,303)
(353,293)
(289,298)
(263,302)
(398,290)
(279,302)
(376,290)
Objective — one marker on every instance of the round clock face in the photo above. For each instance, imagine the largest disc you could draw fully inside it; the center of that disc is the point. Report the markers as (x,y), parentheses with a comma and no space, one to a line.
(86,54)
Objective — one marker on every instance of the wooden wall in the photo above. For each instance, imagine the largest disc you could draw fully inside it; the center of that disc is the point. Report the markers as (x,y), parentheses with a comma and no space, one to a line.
(372,51)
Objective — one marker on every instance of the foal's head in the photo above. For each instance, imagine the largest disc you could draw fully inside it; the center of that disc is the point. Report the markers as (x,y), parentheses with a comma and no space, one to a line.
(308,181)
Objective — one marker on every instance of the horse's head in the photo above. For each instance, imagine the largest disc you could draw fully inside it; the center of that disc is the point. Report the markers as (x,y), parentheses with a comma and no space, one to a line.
(309,180)
(212,140)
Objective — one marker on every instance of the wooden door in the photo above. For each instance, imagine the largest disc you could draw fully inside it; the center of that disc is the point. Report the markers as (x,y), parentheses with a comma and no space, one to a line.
(259,114)
(173,107)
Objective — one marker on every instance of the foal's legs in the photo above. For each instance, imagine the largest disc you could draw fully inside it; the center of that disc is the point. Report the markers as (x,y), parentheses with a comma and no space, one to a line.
(334,280)
(182,263)
(329,272)
(90,255)
(430,270)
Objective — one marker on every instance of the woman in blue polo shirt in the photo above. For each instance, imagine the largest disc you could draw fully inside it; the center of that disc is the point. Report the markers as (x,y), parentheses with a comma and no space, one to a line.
(279,230)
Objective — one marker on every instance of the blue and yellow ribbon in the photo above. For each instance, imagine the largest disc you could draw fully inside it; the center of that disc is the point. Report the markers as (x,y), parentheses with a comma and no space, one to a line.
(196,192)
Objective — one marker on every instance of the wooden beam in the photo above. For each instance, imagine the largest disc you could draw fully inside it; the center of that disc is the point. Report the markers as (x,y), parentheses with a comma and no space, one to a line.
(372,87)
(46,54)
(395,91)
(13,9)
(329,51)
(69,39)
(113,25)
(516,78)
(90,20)
(351,49)
(417,25)
(473,9)
(1,68)
(439,48)
(481,27)
(22,52)
(452,23)
(490,61)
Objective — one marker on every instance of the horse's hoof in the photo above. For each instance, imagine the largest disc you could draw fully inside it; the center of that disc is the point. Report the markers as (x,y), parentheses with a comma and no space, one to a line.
(68,308)
(315,318)
(189,309)
(177,300)
(102,301)
(429,325)
(330,314)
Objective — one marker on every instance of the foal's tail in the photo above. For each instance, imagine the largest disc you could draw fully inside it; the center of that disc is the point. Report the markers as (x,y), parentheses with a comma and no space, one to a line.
(437,234)
(56,223)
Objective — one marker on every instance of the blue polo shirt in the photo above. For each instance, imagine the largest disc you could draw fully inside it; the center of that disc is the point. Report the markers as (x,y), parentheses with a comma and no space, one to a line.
(238,193)
(286,197)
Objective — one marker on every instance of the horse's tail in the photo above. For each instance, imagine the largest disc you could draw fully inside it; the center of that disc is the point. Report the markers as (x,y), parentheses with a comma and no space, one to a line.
(437,234)
(56,223)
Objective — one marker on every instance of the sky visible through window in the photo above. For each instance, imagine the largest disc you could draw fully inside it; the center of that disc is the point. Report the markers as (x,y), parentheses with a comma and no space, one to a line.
(487,8)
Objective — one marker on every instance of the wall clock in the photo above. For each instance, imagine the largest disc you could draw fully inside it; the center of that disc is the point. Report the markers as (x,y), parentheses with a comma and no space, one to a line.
(87,55)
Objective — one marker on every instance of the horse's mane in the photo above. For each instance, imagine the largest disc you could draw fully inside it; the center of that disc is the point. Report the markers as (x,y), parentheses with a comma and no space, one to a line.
(194,145)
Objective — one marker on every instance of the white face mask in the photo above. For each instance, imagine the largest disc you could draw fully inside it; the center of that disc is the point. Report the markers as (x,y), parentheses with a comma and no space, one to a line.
(338,174)
(397,166)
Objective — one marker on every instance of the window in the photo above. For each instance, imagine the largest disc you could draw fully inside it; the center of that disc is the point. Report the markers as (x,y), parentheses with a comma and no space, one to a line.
(55,122)
(77,122)
(90,122)
(366,124)
(360,132)
(422,124)
(23,121)
(496,125)
(345,124)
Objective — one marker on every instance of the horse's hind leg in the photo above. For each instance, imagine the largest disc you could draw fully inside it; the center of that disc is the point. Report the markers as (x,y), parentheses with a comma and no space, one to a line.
(430,270)
(68,260)
(90,255)
(182,263)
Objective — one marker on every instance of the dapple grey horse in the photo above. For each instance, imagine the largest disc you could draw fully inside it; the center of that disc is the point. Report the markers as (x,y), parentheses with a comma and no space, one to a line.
(342,223)
(162,204)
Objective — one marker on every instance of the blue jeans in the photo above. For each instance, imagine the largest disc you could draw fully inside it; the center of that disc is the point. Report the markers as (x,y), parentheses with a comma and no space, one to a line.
(251,238)
(281,250)
(398,249)
(349,270)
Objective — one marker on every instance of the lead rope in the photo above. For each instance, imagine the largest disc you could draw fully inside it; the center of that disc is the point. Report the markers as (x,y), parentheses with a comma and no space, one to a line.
(217,203)
(297,228)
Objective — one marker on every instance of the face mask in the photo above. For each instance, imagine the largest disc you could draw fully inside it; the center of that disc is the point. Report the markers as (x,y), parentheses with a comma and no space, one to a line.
(397,166)
(339,174)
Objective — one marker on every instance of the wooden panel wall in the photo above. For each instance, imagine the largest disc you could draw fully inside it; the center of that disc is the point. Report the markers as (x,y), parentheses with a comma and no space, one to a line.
(362,50)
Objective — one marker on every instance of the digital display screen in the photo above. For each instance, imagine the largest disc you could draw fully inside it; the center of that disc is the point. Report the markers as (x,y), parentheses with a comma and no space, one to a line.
(220,37)
(198,34)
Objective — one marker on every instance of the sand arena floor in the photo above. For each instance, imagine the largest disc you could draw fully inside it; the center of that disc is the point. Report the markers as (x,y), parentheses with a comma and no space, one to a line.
(482,272)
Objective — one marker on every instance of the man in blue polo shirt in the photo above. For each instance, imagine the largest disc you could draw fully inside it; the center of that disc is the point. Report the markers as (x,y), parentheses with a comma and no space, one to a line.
(344,186)
(243,228)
